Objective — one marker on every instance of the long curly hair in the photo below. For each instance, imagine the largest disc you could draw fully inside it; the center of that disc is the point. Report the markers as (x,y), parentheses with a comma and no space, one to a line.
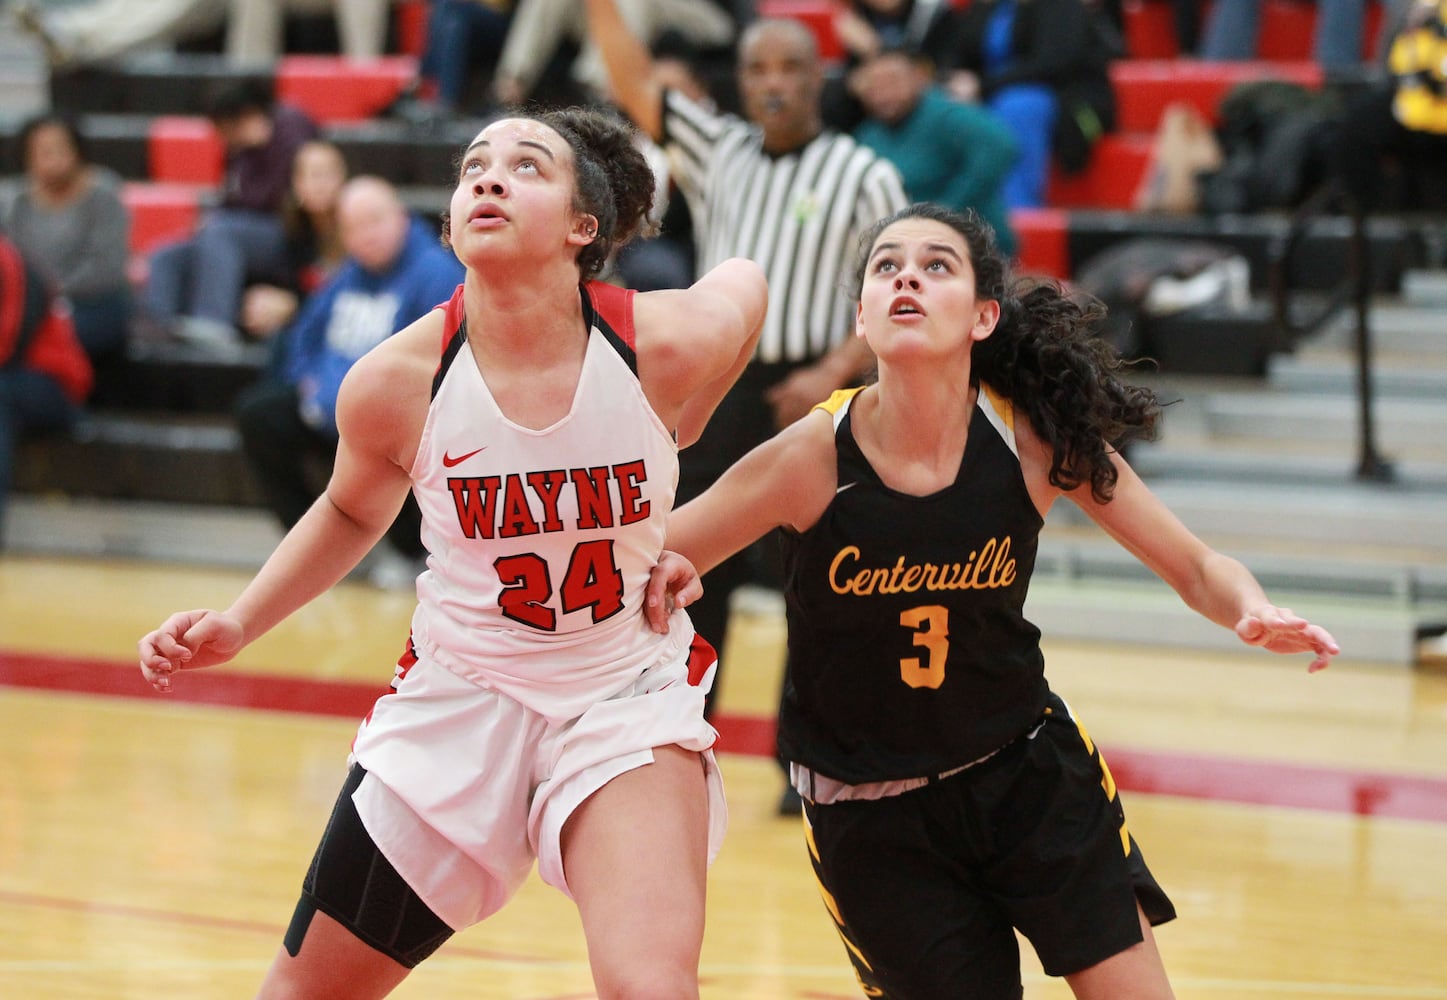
(1046,357)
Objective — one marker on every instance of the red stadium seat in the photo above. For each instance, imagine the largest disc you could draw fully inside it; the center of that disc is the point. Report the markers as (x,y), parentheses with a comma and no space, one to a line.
(817,14)
(1288,29)
(184,149)
(410,20)
(1145,87)
(338,89)
(1044,241)
(161,212)
(1150,32)
(1116,167)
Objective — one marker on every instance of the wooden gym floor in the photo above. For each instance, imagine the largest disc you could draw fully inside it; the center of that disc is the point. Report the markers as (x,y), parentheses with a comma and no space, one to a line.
(152,847)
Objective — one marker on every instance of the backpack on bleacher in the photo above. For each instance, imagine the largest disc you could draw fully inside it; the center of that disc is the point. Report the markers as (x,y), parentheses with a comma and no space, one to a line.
(1148,278)
(1274,137)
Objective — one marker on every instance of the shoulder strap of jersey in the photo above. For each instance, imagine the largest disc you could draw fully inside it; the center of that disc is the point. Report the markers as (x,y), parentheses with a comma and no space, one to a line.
(1001,413)
(838,403)
(610,309)
(454,335)
(453,316)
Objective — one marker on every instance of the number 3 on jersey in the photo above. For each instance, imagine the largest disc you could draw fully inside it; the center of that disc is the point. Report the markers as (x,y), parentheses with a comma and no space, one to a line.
(931,626)
(592,581)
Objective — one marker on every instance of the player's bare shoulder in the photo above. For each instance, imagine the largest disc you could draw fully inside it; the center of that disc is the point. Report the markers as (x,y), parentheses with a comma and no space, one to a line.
(804,467)
(1037,455)
(689,336)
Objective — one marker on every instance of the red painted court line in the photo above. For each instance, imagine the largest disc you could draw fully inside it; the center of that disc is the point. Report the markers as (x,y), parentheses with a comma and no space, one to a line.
(217,686)
(1329,789)
(164,916)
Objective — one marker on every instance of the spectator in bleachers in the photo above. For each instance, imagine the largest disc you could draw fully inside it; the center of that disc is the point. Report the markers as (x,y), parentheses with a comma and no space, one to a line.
(313,241)
(255,29)
(1401,121)
(195,285)
(464,43)
(1233,28)
(1042,66)
(1186,16)
(950,153)
(1186,22)
(79,34)
(867,27)
(45,375)
(93,31)
(394,272)
(540,27)
(69,221)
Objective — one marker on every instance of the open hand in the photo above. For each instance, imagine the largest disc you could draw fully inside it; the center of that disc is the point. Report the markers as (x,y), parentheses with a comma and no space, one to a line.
(1283,631)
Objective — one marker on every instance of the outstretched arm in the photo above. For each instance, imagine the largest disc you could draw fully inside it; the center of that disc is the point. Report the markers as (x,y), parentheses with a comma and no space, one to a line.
(1213,584)
(630,67)
(376,417)
(787,481)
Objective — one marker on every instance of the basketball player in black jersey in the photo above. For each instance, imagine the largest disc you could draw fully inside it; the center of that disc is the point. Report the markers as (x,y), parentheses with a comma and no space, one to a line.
(950,797)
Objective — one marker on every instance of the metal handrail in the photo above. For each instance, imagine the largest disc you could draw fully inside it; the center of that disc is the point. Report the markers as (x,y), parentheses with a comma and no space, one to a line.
(1356,289)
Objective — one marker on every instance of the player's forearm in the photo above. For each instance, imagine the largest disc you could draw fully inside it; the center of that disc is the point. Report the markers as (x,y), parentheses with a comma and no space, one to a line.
(1224,590)
(321,549)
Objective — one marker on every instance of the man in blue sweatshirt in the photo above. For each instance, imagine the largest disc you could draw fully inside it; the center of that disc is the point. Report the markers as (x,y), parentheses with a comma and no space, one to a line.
(395,271)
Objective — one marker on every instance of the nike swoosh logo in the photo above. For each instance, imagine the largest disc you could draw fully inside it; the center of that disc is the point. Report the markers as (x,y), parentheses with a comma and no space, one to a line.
(449,461)
(844,487)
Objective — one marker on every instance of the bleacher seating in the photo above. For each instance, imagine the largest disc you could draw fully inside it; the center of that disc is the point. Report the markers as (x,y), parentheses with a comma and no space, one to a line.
(144,119)
(184,149)
(1287,29)
(336,89)
(1144,88)
(161,211)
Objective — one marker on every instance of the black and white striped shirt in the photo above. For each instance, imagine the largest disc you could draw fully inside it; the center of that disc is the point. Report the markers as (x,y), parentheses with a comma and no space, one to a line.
(800,216)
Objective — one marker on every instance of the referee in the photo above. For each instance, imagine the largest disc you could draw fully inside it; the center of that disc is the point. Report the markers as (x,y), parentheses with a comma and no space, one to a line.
(784,191)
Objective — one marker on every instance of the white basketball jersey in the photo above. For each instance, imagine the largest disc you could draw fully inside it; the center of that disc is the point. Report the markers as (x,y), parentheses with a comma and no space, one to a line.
(541,542)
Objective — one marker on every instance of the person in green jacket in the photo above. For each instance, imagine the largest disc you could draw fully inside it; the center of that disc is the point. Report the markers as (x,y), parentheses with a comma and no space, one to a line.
(948,152)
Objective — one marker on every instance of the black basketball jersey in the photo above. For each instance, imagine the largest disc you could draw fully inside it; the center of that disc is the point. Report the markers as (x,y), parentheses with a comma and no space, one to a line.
(909,652)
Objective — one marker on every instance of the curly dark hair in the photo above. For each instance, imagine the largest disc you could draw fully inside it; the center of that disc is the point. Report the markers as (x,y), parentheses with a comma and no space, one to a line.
(1046,357)
(614,182)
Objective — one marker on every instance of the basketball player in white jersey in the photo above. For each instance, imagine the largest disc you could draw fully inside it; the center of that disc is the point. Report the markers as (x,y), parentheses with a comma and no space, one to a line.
(537,713)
